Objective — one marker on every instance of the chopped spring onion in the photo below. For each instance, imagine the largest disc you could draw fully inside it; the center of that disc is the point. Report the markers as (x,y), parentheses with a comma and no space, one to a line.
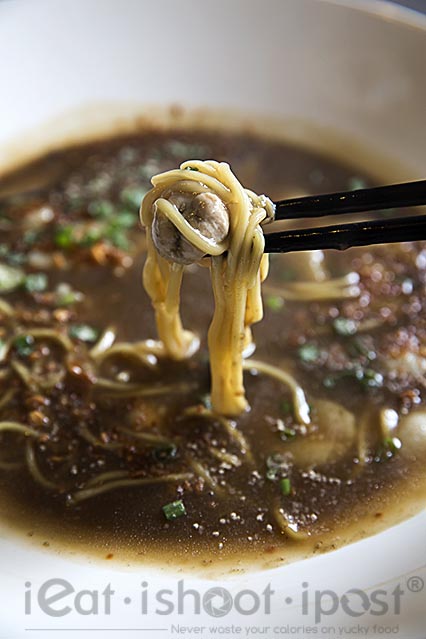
(117,237)
(274,302)
(10,278)
(101,208)
(84,332)
(285,486)
(389,447)
(92,236)
(272,474)
(64,237)
(16,259)
(370,378)
(24,345)
(36,282)
(132,196)
(30,237)
(308,353)
(174,510)
(393,444)
(65,295)
(277,466)
(329,381)
(185,149)
(285,432)
(357,347)
(286,407)
(75,203)
(206,401)
(125,220)
(165,453)
(344,326)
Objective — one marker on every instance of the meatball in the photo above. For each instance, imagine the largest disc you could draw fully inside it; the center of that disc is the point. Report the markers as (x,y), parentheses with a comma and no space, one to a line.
(205,212)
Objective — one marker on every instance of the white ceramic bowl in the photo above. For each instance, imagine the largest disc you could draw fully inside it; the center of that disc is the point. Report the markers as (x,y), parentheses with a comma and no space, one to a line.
(347,77)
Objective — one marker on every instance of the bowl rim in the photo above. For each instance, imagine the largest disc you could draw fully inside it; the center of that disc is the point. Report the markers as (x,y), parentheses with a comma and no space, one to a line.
(385,9)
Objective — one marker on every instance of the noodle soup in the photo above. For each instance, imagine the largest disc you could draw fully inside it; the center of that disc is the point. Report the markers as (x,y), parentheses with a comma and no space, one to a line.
(110,446)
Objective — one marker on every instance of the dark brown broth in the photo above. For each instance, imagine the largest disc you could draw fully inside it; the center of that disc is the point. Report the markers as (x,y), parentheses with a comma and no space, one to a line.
(238,519)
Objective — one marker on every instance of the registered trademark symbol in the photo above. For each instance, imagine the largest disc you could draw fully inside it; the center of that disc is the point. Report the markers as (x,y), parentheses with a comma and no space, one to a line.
(415,584)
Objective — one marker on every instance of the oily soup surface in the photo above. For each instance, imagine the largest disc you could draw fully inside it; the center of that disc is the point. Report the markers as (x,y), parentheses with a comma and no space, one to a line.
(262,486)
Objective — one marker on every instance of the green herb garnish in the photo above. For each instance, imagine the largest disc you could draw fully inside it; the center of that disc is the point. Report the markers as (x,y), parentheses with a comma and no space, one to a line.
(83,235)
(389,447)
(17,259)
(83,332)
(125,220)
(36,282)
(329,381)
(206,401)
(344,326)
(10,278)
(31,237)
(101,208)
(186,149)
(174,510)
(366,377)
(371,379)
(117,237)
(277,466)
(64,237)
(286,407)
(128,154)
(75,203)
(92,236)
(285,486)
(65,295)
(287,433)
(165,453)
(272,474)
(132,196)
(274,302)
(356,347)
(308,353)
(276,460)
(24,345)
(393,444)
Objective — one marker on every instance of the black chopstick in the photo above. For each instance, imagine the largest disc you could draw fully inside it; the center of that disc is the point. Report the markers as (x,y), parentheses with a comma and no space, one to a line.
(382,197)
(343,236)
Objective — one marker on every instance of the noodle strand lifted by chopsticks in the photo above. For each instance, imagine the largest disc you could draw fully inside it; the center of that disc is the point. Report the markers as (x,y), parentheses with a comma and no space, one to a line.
(237,265)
